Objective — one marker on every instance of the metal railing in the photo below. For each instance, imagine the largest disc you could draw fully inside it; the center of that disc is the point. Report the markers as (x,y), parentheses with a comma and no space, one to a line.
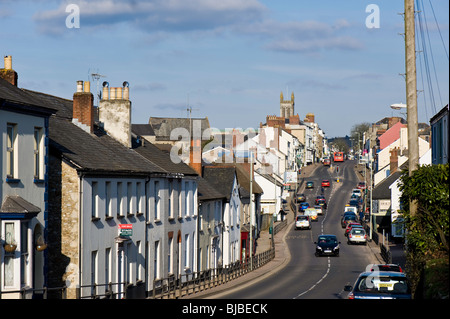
(35,293)
(171,287)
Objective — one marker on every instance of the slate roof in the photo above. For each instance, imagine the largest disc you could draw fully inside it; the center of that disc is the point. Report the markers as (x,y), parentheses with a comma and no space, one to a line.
(99,152)
(206,191)
(142,129)
(163,126)
(221,178)
(21,100)
(16,204)
(382,191)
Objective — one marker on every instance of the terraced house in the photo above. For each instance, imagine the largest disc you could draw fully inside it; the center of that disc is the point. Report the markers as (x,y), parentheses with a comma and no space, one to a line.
(122,215)
(23,189)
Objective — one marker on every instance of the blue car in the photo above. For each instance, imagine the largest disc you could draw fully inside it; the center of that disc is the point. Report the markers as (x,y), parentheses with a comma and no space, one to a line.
(303,206)
(380,285)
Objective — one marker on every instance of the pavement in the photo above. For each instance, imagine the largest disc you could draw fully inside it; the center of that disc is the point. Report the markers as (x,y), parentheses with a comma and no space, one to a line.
(282,254)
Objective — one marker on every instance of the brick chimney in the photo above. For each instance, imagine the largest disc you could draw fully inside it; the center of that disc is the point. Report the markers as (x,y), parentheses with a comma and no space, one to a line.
(195,156)
(83,107)
(114,112)
(8,73)
(393,166)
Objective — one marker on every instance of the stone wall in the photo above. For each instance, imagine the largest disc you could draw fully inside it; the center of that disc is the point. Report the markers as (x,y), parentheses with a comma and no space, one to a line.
(63,228)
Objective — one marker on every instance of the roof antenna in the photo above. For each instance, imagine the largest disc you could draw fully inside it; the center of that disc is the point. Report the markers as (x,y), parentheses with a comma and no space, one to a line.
(96,76)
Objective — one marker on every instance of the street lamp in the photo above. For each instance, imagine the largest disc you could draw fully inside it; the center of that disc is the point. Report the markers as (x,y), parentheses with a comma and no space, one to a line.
(398,106)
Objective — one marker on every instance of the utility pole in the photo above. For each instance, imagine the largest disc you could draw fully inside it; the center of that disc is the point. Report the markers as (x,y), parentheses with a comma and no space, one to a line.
(251,210)
(411,92)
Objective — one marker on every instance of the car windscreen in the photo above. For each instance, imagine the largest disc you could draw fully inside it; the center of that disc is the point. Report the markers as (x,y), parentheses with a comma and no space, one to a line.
(383,284)
(358,231)
(327,240)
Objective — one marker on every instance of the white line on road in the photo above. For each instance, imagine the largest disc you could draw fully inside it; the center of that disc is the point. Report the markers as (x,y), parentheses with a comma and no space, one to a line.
(318,282)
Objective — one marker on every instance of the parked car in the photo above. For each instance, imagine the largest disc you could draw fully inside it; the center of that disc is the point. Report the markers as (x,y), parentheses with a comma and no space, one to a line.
(349,208)
(348,219)
(309,184)
(354,203)
(319,209)
(302,221)
(325,183)
(380,285)
(362,185)
(301,198)
(385,267)
(312,213)
(350,226)
(357,235)
(303,206)
(327,245)
(357,191)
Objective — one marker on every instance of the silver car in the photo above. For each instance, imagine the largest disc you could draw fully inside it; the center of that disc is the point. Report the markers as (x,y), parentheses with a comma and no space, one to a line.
(357,236)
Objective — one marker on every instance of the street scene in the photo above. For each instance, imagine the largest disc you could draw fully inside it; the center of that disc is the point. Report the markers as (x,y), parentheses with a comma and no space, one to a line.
(237,152)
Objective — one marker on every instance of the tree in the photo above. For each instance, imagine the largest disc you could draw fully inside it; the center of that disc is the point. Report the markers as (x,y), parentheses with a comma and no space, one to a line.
(356,134)
(427,234)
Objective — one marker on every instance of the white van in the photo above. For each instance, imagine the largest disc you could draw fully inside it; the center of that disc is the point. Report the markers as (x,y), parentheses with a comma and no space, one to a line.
(351,209)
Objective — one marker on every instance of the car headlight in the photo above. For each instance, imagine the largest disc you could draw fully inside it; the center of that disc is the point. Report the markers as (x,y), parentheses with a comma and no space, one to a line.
(337,247)
(318,247)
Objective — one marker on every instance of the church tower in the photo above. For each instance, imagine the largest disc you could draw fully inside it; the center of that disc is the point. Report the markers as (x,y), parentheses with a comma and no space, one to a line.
(286,106)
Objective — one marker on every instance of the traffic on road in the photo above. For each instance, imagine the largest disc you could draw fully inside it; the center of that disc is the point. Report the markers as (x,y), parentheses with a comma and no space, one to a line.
(327,243)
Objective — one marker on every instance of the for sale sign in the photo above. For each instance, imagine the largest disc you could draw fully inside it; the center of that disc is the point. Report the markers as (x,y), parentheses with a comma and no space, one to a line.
(125,230)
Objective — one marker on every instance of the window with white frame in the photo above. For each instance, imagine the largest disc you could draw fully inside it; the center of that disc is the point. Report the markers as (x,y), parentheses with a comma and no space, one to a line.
(94,200)
(129,197)
(170,255)
(108,202)
(94,266)
(119,198)
(11,150)
(38,154)
(156,270)
(108,260)
(186,199)
(139,200)
(170,199)
(157,201)
(186,251)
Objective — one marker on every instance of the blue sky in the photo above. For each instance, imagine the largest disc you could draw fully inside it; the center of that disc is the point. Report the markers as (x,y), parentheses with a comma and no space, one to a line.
(230,59)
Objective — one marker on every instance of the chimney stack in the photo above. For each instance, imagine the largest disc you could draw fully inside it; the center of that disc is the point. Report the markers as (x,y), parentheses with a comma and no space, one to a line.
(114,112)
(8,73)
(83,107)
(195,156)
(393,166)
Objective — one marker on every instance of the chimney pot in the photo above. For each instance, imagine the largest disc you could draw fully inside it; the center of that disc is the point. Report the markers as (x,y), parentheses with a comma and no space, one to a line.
(8,62)
(79,86)
(8,73)
(87,86)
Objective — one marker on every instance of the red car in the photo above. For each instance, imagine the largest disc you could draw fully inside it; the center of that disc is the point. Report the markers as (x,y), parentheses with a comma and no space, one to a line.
(362,185)
(350,226)
(325,183)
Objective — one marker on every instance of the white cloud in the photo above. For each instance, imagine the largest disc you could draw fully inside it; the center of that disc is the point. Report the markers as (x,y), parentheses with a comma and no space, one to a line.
(154,15)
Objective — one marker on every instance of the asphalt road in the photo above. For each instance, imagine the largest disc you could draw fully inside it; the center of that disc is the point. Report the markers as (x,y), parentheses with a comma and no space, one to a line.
(307,276)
